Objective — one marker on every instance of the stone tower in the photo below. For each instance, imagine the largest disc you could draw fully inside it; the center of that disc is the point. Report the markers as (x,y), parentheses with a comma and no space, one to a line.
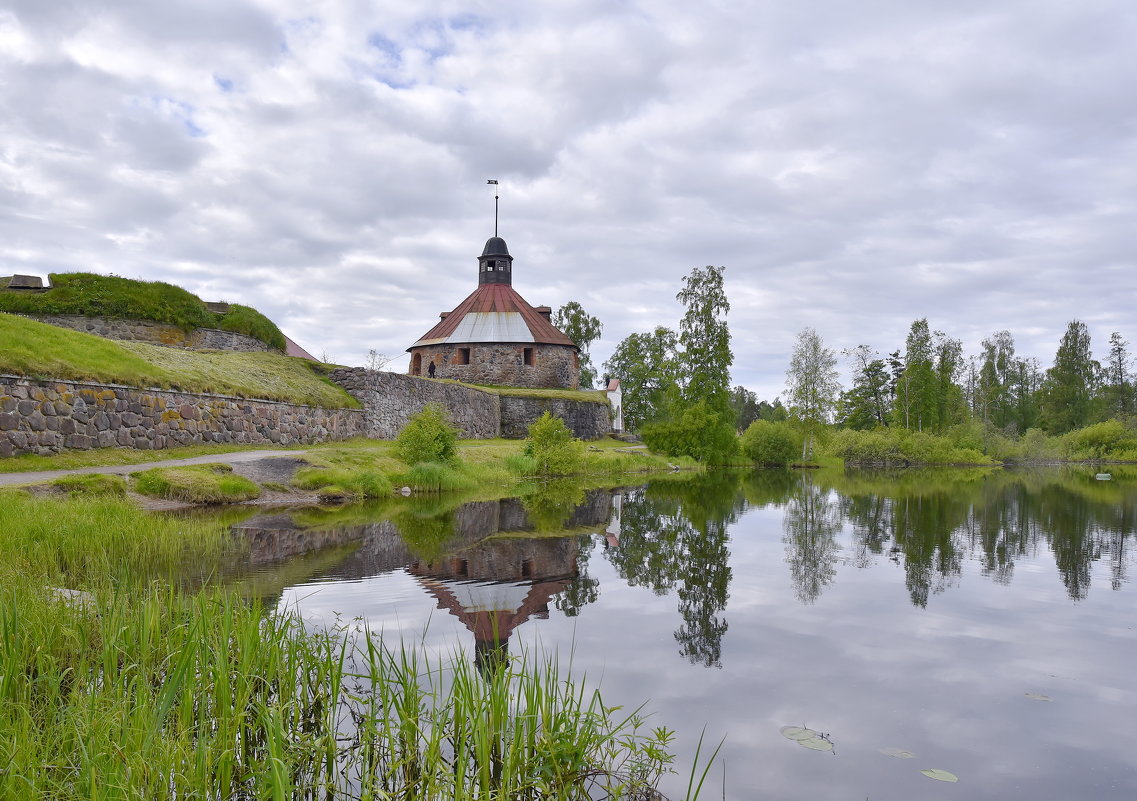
(495,337)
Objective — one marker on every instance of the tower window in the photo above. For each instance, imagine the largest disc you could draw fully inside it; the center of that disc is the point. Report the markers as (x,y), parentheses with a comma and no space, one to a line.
(527,357)
(490,265)
(463,355)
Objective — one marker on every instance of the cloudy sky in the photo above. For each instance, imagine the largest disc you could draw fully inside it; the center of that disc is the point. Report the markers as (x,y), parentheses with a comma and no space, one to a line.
(854,166)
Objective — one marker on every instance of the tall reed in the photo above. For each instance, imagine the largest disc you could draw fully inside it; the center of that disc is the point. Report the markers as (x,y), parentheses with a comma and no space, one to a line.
(165,695)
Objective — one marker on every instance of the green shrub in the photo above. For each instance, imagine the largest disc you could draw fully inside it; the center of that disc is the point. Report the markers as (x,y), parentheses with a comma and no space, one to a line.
(768,443)
(898,446)
(695,430)
(428,437)
(1111,439)
(211,483)
(552,447)
(1036,445)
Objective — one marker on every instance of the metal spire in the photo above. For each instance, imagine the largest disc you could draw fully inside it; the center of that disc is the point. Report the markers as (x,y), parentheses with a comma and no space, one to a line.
(495,199)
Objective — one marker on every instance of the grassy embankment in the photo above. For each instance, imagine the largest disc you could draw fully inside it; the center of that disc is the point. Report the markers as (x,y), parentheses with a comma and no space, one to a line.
(95,295)
(139,689)
(37,350)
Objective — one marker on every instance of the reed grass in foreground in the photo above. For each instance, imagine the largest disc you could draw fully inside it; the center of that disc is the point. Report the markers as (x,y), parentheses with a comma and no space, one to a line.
(169,696)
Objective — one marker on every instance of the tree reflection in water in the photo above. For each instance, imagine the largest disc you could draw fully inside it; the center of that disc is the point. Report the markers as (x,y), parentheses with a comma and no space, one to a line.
(812,522)
(674,536)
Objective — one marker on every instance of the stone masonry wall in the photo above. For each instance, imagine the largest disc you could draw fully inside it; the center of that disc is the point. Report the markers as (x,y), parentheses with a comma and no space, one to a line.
(154,333)
(553,366)
(48,416)
(389,400)
(587,420)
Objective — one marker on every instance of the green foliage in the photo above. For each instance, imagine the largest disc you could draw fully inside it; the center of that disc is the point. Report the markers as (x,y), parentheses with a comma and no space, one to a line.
(583,329)
(245,320)
(648,367)
(705,337)
(552,447)
(1111,439)
(1069,384)
(866,403)
(92,484)
(917,386)
(205,484)
(771,444)
(897,447)
(428,437)
(125,298)
(695,430)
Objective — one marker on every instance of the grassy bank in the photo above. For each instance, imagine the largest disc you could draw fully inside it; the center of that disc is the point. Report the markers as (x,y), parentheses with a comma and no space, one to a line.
(164,695)
(137,688)
(41,351)
(96,295)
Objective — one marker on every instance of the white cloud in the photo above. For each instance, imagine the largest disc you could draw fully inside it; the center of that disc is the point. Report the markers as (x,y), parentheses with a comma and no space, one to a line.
(853,167)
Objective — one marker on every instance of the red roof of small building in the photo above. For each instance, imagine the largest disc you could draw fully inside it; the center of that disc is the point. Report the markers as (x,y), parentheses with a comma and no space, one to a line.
(494,313)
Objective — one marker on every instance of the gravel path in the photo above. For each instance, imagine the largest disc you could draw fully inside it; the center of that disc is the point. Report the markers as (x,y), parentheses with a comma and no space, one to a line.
(43,476)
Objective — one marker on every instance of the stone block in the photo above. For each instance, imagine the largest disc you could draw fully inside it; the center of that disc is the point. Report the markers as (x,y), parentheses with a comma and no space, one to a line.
(9,421)
(78,441)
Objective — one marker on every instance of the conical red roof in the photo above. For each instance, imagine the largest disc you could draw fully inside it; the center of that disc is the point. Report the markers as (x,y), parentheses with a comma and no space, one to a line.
(494,313)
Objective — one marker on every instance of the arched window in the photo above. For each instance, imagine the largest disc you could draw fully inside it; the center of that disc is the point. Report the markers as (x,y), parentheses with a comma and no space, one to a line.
(416,364)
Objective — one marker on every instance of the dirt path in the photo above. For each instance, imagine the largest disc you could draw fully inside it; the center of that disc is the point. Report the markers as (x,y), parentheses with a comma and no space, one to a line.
(42,476)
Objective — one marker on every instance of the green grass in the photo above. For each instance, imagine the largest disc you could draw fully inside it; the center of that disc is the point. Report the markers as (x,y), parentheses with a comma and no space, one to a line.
(146,691)
(586,395)
(41,351)
(82,541)
(343,483)
(124,298)
(164,695)
(92,484)
(203,484)
(249,375)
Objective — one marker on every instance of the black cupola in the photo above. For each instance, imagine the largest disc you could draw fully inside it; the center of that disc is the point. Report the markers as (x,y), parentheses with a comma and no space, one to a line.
(495,265)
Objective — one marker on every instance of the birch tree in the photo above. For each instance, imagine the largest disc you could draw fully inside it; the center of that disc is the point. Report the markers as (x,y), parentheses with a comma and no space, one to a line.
(811,385)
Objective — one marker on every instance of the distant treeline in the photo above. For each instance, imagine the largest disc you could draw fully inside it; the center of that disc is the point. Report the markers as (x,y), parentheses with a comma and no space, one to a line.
(928,403)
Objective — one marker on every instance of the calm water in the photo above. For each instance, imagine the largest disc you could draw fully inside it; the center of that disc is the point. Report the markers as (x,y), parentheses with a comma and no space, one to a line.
(984,621)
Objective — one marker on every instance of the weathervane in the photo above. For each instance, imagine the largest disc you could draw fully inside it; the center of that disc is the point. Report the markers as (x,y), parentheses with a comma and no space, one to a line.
(495,199)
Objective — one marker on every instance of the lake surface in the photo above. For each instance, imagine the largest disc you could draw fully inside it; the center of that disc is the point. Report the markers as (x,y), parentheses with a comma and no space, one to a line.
(983,620)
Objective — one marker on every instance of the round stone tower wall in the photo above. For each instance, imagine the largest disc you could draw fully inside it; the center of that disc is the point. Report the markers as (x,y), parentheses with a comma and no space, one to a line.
(534,365)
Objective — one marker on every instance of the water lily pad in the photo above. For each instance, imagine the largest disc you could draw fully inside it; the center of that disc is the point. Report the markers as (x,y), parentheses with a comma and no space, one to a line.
(899,753)
(796,733)
(807,738)
(1038,697)
(817,743)
(940,775)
